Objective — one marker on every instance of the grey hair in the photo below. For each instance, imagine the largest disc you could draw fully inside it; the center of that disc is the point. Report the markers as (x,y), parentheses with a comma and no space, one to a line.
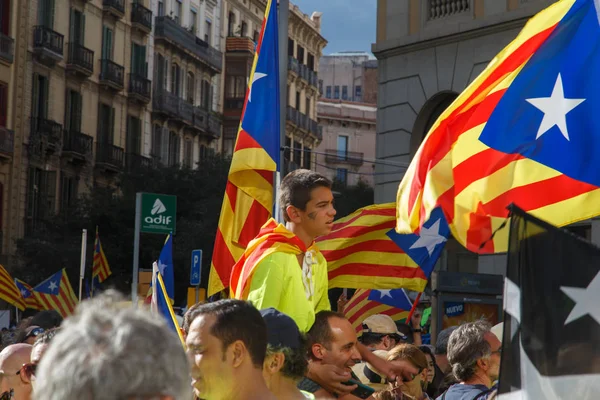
(441,343)
(467,345)
(110,351)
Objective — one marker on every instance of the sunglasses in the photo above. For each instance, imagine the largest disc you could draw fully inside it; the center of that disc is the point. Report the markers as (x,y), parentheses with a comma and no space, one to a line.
(35,333)
(28,370)
(7,395)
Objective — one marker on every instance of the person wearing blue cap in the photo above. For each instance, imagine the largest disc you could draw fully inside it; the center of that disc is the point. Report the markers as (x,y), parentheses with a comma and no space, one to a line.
(285,362)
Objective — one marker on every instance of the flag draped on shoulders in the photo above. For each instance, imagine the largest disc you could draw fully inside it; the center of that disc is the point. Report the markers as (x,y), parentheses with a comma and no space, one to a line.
(26,290)
(56,293)
(364,251)
(248,200)
(524,131)
(9,291)
(273,237)
(100,268)
(367,302)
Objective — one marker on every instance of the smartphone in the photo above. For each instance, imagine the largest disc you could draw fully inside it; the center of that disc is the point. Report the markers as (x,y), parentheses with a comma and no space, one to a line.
(362,391)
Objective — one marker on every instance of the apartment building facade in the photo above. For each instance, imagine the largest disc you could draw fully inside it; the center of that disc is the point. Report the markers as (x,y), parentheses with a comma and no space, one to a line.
(347,152)
(428,53)
(82,98)
(348,76)
(241,29)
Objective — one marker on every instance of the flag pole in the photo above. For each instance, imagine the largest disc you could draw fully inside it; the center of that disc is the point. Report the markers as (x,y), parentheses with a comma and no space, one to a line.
(82,266)
(414,307)
(284,11)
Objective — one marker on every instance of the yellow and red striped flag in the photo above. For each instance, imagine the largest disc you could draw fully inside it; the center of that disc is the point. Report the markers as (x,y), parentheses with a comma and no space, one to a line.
(27,292)
(100,268)
(499,142)
(248,200)
(9,291)
(359,308)
(361,254)
(56,293)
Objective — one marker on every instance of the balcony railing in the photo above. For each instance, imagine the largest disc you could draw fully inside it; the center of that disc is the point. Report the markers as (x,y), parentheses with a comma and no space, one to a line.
(7,45)
(437,9)
(140,87)
(47,130)
(141,17)
(313,127)
(45,39)
(174,106)
(137,161)
(234,44)
(293,65)
(214,126)
(200,118)
(293,115)
(343,157)
(234,104)
(111,74)
(319,132)
(77,142)
(109,154)
(167,29)
(81,59)
(7,141)
(114,7)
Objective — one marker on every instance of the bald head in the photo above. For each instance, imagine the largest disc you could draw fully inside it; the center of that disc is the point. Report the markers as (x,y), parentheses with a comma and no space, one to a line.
(14,356)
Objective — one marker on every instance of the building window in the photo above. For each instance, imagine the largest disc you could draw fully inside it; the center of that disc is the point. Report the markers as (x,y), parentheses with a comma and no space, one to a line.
(310,62)
(344,92)
(206,95)
(342,147)
(307,158)
(41,196)
(157,141)
(341,176)
(300,56)
(244,31)
(134,135)
(107,43)
(188,155)
(73,109)
(231,24)
(46,13)
(68,191)
(193,21)
(208,32)
(191,85)
(321,87)
(139,66)
(291,47)
(235,87)
(203,152)
(177,11)
(174,148)
(298,101)
(161,8)
(297,154)
(358,93)
(176,80)
(256,36)
(77,28)
(3,103)
(328,92)
(106,124)
(307,107)
(336,92)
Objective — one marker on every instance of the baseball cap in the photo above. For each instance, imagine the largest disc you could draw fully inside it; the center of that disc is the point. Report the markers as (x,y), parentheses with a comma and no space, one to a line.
(282,331)
(381,324)
(368,375)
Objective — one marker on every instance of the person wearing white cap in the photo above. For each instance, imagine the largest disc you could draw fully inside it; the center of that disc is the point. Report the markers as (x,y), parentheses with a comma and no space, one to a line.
(381,333)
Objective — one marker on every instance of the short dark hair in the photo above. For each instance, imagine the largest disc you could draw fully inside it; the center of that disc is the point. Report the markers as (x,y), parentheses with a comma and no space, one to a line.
(320,332)
(441,342)
(46,337)
(295,364)
(369,338)
(407,331)
(189,316)
(295,189)
(237,320)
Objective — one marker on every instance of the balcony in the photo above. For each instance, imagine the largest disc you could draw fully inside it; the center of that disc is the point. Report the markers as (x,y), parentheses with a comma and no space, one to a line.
(116,8)
(111,74)
(140,88)
(47,44)
(141,18)
(292,115)
(214,126)
(77,145)
(200,118)
(313,127)
(293,65)
(174,107)
(168,30)
(46,133)
(136,162)
(234,44)
(343,157)
(439,9)
(308,75)
(80,60)
(7,142)
(109,157)
(234,104)
(7,48)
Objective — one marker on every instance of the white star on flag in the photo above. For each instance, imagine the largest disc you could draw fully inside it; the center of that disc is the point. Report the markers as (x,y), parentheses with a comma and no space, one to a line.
(429,238)
(586,300)
(24,293)
(255,77)
(385,293)
(161,267)
(555,109)
(52,286)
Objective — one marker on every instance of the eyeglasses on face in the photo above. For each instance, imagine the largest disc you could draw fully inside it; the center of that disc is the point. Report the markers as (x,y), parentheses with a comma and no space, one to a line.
(35,333)
(28,370)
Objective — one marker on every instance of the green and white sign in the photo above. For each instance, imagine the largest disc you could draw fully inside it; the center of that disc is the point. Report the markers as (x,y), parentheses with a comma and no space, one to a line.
(158,213)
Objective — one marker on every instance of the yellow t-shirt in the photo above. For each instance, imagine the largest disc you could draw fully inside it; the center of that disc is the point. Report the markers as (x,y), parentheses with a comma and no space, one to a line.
(278,281)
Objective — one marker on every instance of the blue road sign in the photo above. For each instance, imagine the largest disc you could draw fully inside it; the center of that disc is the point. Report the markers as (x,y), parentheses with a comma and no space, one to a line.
(195,271)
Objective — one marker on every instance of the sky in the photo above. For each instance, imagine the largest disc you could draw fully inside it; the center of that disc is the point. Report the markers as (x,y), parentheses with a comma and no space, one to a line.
(348,25)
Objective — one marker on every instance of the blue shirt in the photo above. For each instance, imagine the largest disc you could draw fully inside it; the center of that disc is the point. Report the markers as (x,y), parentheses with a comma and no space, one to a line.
(466,392)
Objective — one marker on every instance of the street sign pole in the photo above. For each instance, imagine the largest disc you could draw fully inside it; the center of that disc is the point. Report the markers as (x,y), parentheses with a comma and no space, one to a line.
(196,271)
(136,249)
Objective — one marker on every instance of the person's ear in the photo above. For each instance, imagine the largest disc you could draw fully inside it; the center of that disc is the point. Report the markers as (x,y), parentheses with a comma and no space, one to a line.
(483,364)
(293,214)
(274,363)
(238,353)
(318,351)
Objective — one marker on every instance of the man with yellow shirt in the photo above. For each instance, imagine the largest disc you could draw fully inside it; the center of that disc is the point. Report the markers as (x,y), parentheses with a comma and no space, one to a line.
(284,269)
